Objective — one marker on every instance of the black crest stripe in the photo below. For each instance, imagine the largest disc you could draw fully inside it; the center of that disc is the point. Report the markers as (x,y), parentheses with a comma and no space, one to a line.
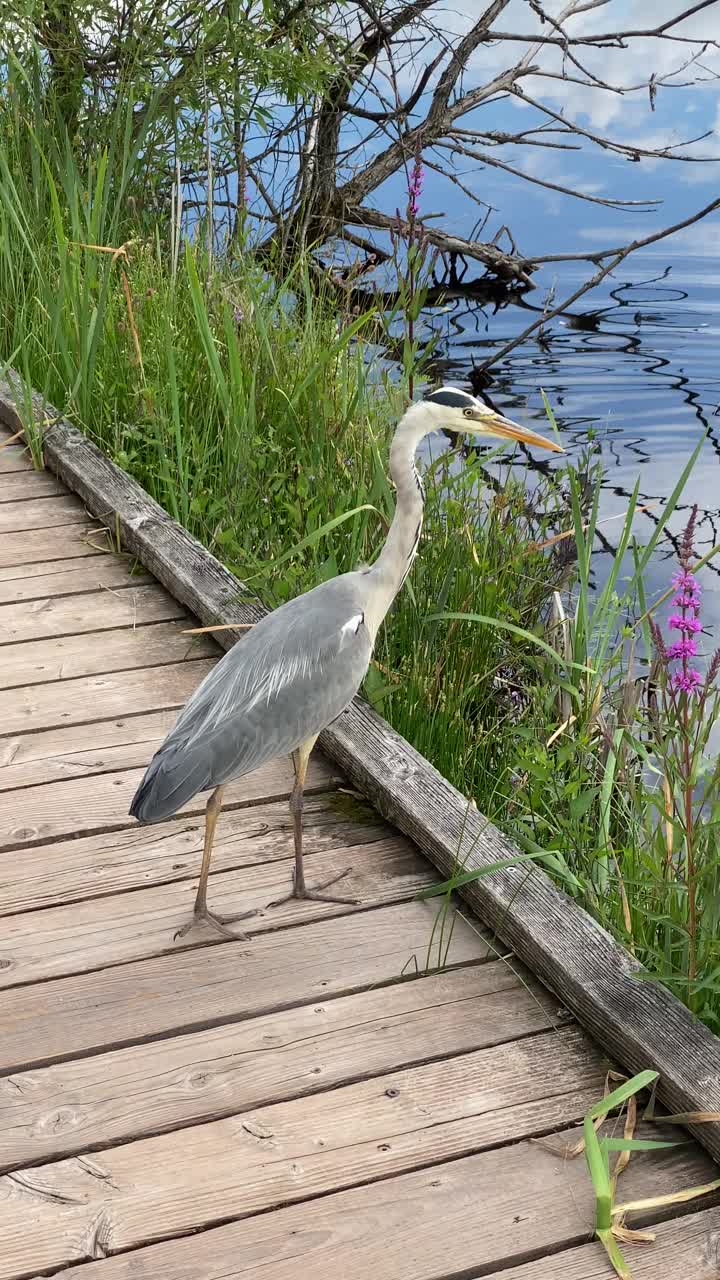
(451,398)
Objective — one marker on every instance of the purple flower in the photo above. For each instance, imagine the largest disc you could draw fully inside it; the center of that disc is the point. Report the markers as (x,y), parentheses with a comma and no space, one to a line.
(688,600)
(685,648)
(689,681)
(680,623)
(686,581)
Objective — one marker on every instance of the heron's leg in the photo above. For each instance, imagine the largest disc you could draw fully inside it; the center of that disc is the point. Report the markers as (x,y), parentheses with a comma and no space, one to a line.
(201,912)
(300,889)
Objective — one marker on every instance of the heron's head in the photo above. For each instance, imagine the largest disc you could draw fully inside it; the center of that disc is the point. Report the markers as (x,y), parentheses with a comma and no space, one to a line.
(456,410)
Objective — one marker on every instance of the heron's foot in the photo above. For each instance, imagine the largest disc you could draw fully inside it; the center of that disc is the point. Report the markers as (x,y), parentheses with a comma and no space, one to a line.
(219,923)
(301,892)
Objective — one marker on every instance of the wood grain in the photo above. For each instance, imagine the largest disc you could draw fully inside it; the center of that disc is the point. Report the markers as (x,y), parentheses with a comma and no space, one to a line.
(114,861)
(16,485)
(463,1218)
(185,1180)
(159,1086)
(93,653)
(69,1017)
(41,513)
(100,932)
(14,457)
(55,754)
(67,577)
(77,702)
(69,542)
(96,611)
(687,1248)
(177,559)
(69,808)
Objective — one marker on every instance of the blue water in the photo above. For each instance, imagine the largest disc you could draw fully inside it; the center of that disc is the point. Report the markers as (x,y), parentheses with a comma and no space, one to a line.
(643,382)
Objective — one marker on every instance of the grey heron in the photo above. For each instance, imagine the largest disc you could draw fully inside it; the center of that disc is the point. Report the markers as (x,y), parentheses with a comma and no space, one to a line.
(275,691)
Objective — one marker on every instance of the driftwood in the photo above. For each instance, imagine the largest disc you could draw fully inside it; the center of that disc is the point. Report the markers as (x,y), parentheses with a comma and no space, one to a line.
(639,1022)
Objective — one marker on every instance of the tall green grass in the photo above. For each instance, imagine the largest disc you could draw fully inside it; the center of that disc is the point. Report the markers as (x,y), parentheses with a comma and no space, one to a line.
(259,414)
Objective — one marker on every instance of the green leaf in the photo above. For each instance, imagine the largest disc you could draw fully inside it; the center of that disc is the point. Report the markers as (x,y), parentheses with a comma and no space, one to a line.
(502,625)
(636,1144)
(313,538)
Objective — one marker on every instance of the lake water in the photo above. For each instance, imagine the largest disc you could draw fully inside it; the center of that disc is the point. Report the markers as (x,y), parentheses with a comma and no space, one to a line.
(641,376)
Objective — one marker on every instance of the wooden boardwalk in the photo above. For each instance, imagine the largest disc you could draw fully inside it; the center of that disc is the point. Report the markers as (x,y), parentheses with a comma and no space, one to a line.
(315,1101)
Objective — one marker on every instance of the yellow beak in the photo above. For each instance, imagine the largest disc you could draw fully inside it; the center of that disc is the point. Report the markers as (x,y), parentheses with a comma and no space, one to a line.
(496,425)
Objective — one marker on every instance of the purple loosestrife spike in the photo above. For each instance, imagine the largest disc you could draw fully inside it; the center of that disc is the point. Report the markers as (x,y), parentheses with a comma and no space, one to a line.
(687,602)
(415,186)
(678,623)
(686,581)
(687,542)
(685,648)
(689,681)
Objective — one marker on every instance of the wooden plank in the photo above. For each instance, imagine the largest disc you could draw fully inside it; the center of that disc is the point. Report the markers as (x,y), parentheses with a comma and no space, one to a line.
(100,932)
(685,1249)
(114,861)
(14,457)
(41,513)
(162,1085)
(68,577)
(95,611)
(572,953)
(462,1218)
(183,1181)
(67,1017)
(123,693)
(54,754)
(177,559)
(16,485)
(59,809)
(68,657)
(47,544)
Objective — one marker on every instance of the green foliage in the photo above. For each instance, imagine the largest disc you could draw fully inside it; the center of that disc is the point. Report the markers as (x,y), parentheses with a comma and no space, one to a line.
(181,69)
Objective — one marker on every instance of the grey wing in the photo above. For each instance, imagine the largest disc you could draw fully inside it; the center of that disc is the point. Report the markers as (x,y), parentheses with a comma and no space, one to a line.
(284,682)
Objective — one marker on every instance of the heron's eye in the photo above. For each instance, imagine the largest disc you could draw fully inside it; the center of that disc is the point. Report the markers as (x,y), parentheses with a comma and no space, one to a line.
(468,413)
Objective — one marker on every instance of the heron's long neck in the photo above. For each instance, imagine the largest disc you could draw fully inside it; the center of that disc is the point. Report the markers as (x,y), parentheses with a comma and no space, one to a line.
(395,560)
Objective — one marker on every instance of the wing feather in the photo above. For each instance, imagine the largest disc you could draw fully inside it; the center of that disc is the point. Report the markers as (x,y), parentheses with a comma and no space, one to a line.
(284,682)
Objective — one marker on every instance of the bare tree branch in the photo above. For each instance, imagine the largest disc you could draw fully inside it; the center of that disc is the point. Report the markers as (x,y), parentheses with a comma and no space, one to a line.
(619,256)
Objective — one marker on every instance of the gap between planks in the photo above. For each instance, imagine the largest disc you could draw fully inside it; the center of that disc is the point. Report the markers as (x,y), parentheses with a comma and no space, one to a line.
(116,862)
(86,699)
(68,542)
(103,932)
(68,577)
(686,1248)
(66,1109)
(470,1132)
(453,1221)
(44,512)
(204,986)
(290,1151)
(81,615)
(126,648)
(18,486)
(70,808)
(53,755)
